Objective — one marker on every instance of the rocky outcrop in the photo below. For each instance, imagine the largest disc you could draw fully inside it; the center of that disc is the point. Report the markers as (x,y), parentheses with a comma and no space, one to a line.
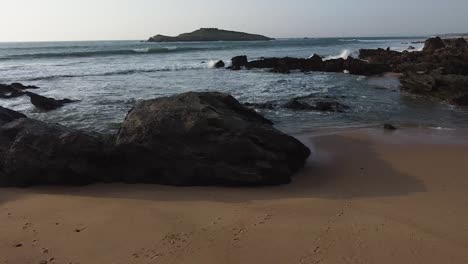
(448,87)
(314,63)
(46,103)
(7,115)
(37,153)
(210,34)
(439,70)
(433,44)
(205,139)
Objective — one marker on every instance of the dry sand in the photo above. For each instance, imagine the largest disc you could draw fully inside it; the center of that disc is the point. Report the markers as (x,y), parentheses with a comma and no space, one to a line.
(365,197)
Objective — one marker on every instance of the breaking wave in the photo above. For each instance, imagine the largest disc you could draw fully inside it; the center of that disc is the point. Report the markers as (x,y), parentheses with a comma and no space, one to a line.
(98,53)
(112,73)
(344,55)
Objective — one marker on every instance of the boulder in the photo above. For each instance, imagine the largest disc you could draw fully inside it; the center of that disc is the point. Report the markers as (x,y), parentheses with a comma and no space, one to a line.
(433,44)
(238,62)
(7,115)
(219,64)
(206,138)
(46,103)
(37,153)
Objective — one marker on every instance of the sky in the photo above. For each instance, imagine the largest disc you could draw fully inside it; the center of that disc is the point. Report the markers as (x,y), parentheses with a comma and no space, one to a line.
(57,20)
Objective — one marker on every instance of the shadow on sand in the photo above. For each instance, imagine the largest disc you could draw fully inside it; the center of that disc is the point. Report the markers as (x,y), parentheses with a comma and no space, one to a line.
(340,168)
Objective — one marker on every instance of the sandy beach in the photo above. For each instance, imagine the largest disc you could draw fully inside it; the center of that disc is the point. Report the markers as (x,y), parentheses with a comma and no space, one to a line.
(365,196)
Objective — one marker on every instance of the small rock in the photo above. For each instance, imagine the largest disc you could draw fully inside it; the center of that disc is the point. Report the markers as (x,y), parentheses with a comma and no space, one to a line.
(18,245)
(220,64)
(389,127)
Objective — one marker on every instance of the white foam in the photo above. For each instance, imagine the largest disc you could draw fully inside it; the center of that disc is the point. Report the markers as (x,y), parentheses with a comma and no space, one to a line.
(143,50)
(211,63)
(344,55)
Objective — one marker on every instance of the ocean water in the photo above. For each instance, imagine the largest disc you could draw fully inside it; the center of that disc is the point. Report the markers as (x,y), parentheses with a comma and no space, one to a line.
(109,77)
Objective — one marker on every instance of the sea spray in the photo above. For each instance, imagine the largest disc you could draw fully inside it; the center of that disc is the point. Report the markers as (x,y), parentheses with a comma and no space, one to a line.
(343,55)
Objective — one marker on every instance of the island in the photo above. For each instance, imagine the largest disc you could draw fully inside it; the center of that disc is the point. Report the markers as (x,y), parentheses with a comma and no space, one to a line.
(210,34)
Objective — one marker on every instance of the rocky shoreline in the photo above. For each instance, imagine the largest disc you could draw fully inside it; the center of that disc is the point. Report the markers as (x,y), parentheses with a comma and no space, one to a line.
(189,139)
(440,70)
(207,138)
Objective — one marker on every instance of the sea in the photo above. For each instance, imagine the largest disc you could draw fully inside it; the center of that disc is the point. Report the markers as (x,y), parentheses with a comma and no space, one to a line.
(109,77)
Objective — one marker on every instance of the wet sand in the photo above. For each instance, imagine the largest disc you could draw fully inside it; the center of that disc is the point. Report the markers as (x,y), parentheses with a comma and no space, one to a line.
(366,196)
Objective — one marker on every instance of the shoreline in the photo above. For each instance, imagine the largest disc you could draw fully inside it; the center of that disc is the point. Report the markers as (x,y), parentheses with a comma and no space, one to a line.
(365,195)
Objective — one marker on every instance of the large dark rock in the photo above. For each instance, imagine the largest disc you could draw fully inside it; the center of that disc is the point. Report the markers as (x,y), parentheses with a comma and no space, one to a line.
(7,115)
(433,44)
(359,67)
(46,103)
(219,64)
(34,152)
(238,62)
(206,139)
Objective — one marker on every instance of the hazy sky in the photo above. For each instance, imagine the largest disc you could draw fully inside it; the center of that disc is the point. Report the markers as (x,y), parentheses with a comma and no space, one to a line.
(32,20)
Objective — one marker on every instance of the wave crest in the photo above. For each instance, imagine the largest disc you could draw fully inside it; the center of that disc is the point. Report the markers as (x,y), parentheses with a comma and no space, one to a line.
(98,53)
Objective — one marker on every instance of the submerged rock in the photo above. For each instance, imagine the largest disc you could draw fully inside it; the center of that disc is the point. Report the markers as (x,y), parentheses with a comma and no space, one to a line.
(46,103)
(323,106)
(449,87)
(331,106)
(389,127)
(295,104)
(207,139)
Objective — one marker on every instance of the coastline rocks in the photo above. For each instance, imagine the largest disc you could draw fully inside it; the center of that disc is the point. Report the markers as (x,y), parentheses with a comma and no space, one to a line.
(46,103)
(208,138)
(37,153)
(314,63)
(7,115)
(440,70)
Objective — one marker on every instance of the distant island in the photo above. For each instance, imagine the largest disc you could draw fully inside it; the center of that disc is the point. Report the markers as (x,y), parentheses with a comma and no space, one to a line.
(210,34)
